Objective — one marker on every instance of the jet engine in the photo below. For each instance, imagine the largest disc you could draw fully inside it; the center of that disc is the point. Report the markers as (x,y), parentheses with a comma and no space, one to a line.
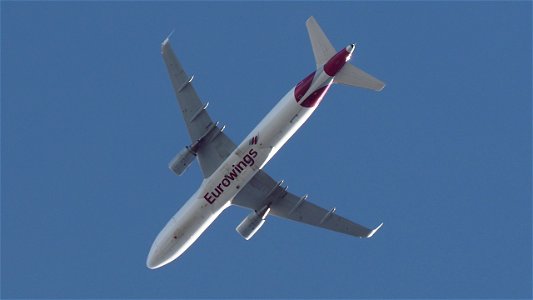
(182,160)
(251,224)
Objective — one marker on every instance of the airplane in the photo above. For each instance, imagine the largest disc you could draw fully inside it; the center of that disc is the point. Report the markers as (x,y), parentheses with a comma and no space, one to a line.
(233,174)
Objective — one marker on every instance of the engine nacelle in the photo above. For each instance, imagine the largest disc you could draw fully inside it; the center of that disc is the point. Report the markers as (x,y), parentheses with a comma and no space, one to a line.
(181,161)
(251,224)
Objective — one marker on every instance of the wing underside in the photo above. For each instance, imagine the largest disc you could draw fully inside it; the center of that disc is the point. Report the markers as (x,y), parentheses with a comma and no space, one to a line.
(214,145)
(263,190)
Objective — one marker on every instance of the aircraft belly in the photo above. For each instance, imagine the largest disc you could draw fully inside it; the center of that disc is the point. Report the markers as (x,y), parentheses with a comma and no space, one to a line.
(186,226)
(220,188)
(278,126)
(217,191)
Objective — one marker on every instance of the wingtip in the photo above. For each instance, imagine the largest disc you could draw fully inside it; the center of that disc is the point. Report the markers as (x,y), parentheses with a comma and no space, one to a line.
(167,39)
(374,231)
(379,89)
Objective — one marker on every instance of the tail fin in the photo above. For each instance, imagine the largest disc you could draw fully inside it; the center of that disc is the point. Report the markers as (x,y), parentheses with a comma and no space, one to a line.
(322,48)
(323,51)
(353,76)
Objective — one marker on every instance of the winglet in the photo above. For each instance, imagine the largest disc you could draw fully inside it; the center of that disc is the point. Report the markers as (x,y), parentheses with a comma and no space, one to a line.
(374,231)
(165,41)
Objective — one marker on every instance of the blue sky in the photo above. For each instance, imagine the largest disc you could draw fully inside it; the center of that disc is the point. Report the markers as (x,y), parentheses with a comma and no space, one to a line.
(442,155)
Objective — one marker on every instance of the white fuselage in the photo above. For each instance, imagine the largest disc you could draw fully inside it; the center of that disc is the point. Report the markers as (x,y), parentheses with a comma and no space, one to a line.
(217,191)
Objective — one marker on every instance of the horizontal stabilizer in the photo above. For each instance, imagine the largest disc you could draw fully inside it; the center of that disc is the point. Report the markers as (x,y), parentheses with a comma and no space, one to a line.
(353,76)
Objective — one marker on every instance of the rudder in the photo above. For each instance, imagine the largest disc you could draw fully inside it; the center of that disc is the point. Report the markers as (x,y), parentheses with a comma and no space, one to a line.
(322,48)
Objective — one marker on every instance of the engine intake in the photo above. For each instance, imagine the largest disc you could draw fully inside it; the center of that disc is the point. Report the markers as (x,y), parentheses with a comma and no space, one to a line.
(251,224)
(181,161)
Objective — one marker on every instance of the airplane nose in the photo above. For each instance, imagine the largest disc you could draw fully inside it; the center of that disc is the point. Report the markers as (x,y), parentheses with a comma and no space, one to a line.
(153,261)
(158,254)
(164,248)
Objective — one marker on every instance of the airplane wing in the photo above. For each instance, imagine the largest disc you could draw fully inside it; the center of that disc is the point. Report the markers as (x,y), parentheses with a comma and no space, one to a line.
(262,190)
(213,145)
